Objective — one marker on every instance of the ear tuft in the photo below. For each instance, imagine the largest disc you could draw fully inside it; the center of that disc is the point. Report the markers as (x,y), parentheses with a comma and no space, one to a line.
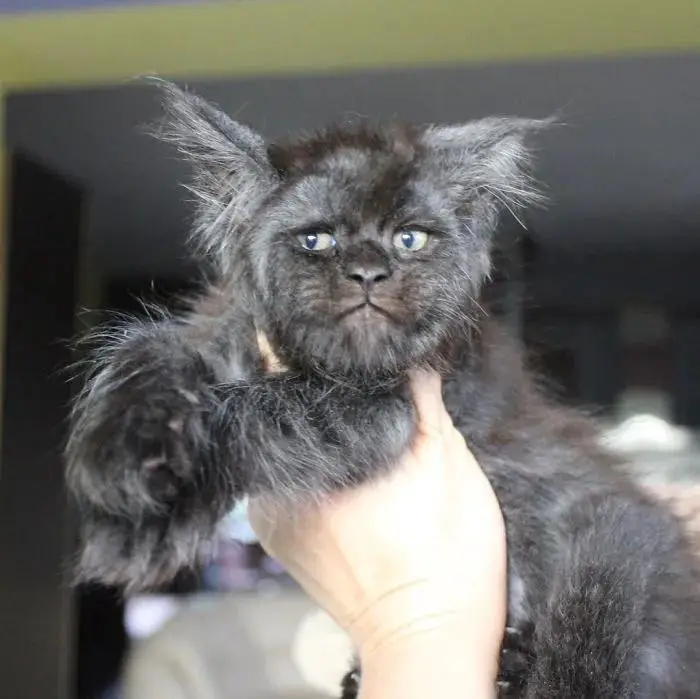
(203,133)
(232,172)
(491,157)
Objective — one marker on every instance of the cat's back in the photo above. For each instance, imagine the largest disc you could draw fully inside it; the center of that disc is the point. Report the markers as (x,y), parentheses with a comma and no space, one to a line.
(539,455)
(503,409)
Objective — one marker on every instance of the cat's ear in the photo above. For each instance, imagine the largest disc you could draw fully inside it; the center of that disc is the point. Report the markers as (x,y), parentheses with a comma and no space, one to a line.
(491,157)
(232,171)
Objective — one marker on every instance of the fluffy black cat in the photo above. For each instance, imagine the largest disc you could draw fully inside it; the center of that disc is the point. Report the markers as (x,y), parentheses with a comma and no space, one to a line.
(359,252)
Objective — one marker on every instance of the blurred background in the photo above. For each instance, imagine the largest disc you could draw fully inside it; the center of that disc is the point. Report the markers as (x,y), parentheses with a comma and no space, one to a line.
(603,286)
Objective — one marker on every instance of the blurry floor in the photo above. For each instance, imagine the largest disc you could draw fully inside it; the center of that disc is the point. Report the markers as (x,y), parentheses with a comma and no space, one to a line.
(274,625)
(246,643)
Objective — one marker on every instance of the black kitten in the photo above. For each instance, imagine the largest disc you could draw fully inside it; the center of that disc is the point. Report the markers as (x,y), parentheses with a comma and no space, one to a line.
(360,252)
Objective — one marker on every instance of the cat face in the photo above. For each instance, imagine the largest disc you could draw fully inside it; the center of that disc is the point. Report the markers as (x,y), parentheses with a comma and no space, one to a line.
(363,257)
(363,247)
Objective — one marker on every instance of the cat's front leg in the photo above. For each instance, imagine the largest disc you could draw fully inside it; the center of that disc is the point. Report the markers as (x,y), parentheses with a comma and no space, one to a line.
(300,437)
(141,461)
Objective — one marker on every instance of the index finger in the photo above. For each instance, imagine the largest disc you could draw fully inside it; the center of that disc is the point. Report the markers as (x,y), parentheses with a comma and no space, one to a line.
(426,389)
(271,362)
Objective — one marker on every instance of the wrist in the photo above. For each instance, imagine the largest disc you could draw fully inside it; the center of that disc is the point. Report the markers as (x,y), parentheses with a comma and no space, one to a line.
(439,662)
(412,616)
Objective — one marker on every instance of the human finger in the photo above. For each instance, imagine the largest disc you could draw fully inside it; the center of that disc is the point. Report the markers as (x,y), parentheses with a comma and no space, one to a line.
(426,390)
(271,362)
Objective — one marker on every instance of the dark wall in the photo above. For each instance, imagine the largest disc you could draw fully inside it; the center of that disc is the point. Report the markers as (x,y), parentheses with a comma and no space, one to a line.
(35,527)
(595,279)
(686,368)
(574,306)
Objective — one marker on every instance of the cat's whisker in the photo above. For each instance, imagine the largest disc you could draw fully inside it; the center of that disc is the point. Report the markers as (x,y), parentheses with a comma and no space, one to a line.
(507,204)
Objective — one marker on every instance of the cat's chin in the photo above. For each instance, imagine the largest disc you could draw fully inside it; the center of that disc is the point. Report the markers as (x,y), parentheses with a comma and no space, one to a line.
(361,360)
(366,343)
(374,361)
(368,323)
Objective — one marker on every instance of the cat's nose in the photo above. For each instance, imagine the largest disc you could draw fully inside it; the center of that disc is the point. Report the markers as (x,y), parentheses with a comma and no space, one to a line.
(367,273)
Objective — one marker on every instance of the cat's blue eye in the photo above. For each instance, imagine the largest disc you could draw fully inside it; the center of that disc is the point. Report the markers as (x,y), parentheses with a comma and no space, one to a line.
(316,242)
(410,240)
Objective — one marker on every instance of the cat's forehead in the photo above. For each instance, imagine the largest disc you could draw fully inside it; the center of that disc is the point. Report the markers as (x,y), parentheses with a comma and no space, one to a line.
(343,146)
(357,174)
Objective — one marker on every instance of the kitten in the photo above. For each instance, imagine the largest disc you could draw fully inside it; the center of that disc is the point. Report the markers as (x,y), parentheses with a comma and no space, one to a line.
(359,252)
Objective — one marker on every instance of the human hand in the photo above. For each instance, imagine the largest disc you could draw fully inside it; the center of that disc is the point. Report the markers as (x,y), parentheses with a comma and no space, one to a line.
(417,556)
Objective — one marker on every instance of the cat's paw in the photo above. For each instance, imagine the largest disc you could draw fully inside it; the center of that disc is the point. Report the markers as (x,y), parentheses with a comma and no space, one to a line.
(515,662)
(136,440)
(140,463)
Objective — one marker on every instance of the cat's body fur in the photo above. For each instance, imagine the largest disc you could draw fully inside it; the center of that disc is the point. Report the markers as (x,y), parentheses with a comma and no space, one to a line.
(179,420)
